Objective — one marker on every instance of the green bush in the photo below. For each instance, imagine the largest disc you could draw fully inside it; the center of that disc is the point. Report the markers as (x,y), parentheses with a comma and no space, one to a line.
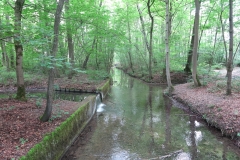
(97,74)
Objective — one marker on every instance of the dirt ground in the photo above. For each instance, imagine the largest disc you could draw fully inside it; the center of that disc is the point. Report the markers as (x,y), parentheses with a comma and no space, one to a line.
(20,126)
(211,102)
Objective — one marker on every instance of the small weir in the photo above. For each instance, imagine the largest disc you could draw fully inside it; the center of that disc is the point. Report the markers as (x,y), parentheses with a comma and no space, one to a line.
(139,123)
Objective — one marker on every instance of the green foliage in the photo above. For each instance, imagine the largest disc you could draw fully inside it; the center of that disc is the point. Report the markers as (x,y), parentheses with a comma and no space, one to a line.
(98,74)
(23,141)
(58,114)
(39,102)
(217,66)
(6,77)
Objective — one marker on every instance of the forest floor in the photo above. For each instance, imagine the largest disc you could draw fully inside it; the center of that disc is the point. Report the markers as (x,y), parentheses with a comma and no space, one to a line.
(212,104)
(20,126)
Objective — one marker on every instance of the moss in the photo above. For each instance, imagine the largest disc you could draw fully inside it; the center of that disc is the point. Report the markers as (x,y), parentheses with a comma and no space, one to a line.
(104,89)
(21,93)
(54,144)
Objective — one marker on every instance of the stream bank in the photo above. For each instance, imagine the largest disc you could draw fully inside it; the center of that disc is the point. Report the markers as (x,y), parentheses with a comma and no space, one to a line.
(219,110)
(20,127)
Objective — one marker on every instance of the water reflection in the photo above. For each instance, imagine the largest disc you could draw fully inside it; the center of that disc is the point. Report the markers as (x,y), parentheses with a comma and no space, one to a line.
(138,122)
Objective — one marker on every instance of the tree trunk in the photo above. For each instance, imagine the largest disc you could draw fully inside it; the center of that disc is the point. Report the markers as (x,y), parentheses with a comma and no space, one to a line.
(50,89)
(21,95)
(230,57)
(145,40)
(167,33)
(130,43)
(70,43)
(4,53)
(88,54)
(187,68)
(195,46)
(223,36)
(150,49)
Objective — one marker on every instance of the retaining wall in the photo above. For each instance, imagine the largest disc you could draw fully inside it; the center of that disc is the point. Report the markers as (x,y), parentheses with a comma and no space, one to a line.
(55,144)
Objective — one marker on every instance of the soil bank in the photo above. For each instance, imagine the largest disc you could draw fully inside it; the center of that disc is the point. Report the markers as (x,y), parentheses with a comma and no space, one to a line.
(219,110)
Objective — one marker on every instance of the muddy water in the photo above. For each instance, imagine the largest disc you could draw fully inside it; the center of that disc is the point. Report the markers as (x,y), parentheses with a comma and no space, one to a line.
(139,123)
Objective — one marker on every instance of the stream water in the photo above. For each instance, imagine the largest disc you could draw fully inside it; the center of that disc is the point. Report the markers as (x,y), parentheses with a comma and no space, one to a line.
(139,123)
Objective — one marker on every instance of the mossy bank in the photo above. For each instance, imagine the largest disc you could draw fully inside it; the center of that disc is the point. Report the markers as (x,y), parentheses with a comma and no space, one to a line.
(55,144)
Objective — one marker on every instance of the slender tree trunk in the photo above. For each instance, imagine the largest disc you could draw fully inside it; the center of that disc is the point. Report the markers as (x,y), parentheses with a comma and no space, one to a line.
(145,40)
(50,89)
(4,53)
(214,50)
(19,50)
(88,54)
(195,46)
(230,57)
(223,36)
(70,43)
(167,50)
(130,43)
(150,50)
(187,68)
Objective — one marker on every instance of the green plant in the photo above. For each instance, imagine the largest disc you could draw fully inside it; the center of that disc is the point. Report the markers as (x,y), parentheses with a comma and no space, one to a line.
(59,114)
(235,112)
(211,106)
(17,147)
(219,109)
(97,74)
(23,141)
(39,102)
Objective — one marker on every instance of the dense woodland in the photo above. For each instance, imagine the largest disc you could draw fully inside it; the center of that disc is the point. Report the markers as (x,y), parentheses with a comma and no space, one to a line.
(64,37)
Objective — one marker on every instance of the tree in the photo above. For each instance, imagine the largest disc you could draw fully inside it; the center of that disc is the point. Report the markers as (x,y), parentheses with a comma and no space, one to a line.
(195,45)
(129,40)
(187,68)
(19,50)
(148,46)
(230,57)
(70,42)
(50,88)
(167,33)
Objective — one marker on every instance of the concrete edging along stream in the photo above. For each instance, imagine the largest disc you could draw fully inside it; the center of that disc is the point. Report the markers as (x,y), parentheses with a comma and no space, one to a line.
(54,144)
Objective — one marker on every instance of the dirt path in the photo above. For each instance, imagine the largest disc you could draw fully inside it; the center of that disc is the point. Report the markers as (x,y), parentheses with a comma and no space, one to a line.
(223,72)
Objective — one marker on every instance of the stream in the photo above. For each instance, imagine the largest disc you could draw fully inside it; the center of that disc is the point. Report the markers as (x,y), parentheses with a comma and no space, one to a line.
(138,123)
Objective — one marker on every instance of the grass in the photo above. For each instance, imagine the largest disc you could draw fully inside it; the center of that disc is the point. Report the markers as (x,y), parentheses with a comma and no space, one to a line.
(9,77)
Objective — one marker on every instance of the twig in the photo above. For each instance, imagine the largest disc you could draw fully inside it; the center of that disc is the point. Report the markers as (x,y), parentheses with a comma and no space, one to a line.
(166,156)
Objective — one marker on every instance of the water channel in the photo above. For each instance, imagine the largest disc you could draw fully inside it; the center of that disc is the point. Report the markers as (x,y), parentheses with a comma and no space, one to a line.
(139,123)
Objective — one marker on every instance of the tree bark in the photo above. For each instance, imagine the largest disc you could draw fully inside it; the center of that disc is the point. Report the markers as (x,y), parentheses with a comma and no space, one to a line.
(70,43)
(223,36)
(195,46)
(150,50)
(130,42)
(50,90)
(187,68)
(230,57)
(145,40)
(21,94)
(84,66)
(167,50)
